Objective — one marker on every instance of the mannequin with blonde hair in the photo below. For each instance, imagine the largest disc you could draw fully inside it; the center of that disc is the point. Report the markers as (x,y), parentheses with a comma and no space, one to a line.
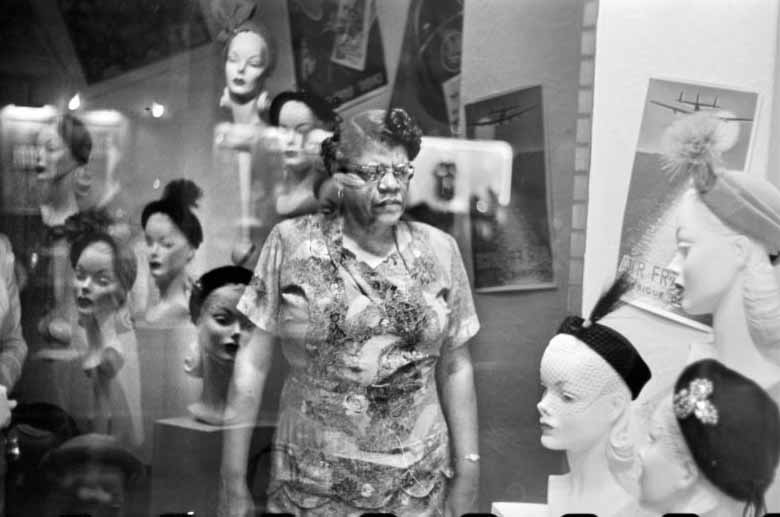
(712,447)
(728,233)
(590,373)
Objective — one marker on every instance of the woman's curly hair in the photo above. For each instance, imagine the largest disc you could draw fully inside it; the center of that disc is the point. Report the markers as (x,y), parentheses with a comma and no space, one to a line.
(391,128)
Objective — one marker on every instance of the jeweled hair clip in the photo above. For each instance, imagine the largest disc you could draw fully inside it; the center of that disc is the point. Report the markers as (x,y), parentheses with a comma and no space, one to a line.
(695,400)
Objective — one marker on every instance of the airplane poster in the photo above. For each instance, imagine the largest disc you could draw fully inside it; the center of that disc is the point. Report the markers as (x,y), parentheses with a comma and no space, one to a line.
(511,243)
(647,243)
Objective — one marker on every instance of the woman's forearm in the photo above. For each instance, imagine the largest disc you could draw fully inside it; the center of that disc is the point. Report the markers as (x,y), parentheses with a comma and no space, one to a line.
(459,402)
(244,399)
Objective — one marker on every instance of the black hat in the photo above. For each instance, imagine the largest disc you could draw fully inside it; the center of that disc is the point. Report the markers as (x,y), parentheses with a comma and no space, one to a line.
(732,429)
(93,448)
(610,344)
(179,198)
(212,280)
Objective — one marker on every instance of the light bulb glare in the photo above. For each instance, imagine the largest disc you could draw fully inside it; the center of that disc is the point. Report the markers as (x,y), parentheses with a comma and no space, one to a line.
(74,103)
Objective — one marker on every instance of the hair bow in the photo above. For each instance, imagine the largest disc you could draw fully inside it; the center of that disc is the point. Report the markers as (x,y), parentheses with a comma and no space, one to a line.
(231,14)
(695,400)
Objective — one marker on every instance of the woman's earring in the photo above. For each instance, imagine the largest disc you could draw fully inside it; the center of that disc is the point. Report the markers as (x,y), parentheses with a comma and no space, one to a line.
(341,195)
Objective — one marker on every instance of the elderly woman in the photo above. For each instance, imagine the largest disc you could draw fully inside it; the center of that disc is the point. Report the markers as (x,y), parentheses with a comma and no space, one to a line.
(373,314)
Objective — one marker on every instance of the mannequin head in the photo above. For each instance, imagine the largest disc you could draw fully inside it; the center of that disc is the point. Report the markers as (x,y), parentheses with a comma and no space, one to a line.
(583,396)
(307,120)
(714,261)
(104,265)
(714,445)
(172,230)
(729,225)
(222,330)
(248,60)
(63,148)
(670,480)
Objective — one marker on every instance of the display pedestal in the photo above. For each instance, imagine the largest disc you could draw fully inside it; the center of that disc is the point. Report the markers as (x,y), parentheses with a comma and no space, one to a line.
(186,464)
(503,509)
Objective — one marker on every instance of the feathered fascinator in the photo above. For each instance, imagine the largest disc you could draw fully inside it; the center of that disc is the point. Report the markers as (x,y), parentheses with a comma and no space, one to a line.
(610,344)
(694,145)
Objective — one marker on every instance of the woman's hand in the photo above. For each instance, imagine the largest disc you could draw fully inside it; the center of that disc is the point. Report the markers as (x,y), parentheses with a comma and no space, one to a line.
(463,489)
(235,500)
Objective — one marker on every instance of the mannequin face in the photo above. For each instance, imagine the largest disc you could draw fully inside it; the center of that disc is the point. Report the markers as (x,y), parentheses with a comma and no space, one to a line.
(245,65)
(575,411)
(54,158)
(53,164)
(666,476)
(707,260)
(95,283)
(168,250)
(301,138)
(222,329)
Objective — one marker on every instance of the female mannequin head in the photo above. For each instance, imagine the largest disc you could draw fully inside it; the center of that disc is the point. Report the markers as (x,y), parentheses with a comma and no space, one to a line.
(64,148)
(172,230)
(583,396)
(250,56)
(222,330)
(248,61)
(728,226)
(105,267)
(306,120)
(713,447)
(590,374)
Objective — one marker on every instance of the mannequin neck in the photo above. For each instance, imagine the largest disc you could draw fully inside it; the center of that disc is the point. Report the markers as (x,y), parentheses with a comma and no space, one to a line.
(589,469)
(707,501)
(244,110)
(210,408)
(733,343)
(589,486)
(61,202)
(173,288)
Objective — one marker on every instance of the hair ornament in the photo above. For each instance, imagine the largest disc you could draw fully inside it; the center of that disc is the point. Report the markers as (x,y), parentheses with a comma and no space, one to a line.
(695,400)
(231,15)
(694,146)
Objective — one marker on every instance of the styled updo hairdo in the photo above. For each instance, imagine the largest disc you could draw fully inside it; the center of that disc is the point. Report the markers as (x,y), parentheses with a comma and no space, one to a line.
(90,226)
(179,198)
(391,128)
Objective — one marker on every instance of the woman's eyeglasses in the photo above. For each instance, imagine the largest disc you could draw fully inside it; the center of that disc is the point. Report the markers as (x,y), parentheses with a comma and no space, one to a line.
(374,172)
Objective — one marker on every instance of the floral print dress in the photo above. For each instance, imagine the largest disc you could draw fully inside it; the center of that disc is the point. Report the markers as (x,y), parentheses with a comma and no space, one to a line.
(360,425)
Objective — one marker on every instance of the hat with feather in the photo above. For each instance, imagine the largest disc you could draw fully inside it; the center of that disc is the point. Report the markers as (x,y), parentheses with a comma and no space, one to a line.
(694,145)
(610,344)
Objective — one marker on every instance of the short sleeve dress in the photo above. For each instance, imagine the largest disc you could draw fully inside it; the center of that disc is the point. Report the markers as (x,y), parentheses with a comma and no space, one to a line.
(360,425)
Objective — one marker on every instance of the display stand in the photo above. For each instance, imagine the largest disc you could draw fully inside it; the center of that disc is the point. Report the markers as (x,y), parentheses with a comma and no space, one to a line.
(186,465)
(504,509)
